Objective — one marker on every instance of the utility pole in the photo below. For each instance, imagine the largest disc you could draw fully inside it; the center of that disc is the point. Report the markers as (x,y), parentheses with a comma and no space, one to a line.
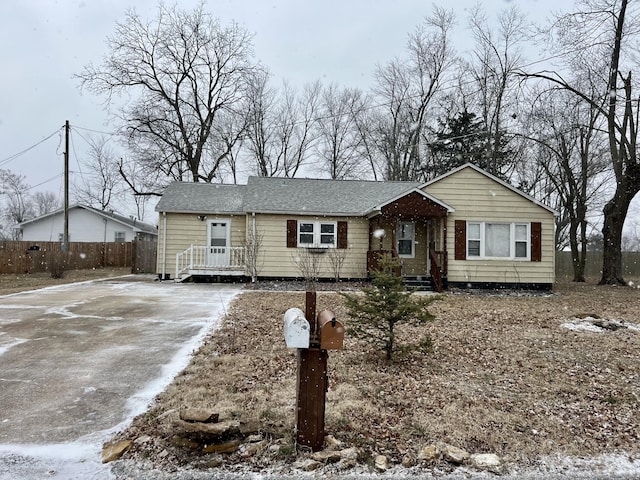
(65,235)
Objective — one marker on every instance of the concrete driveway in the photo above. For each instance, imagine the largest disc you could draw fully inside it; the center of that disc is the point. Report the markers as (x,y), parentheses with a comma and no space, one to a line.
(79,361)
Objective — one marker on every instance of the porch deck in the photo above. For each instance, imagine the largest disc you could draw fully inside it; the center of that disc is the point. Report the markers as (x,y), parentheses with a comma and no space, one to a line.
(211,261)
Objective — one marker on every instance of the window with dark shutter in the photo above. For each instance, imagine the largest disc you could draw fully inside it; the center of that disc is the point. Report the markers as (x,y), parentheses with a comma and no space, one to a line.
(342,235)
(536,241)
(460,240)
(292,233)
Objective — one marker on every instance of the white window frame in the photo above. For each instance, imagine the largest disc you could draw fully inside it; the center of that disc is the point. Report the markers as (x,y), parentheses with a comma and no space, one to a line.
(122,233)
(411,239)
(317,234)
(512,241)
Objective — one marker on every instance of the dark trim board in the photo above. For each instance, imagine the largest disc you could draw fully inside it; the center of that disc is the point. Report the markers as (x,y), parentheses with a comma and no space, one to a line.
(301,279)
(496,286)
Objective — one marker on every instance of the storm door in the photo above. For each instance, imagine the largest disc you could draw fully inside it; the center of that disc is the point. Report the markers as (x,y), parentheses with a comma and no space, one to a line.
(218,243)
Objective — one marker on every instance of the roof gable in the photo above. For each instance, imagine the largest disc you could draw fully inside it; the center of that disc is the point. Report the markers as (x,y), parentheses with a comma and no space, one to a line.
(416,202)
(491,177)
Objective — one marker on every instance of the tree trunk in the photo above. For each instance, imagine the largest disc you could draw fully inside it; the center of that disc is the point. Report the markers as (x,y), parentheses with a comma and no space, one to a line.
(615,212)
(577,256)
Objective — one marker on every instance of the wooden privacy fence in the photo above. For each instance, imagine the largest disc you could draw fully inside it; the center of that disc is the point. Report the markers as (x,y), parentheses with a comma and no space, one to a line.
(30,257)
(593,265)
(143,256)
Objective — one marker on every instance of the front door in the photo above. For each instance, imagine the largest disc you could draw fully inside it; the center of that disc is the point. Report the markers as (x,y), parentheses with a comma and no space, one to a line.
(218,243)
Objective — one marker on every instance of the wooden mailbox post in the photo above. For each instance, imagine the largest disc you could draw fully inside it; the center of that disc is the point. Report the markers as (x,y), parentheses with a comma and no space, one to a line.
(312,381)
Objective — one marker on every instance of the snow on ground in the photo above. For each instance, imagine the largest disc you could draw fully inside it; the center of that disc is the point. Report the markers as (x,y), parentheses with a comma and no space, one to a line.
(598,325)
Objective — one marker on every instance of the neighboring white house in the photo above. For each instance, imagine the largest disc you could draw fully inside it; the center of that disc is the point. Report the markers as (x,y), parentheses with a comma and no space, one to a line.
(86,224)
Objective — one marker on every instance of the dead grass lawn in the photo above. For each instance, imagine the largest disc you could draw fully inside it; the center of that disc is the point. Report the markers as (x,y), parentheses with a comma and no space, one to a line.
(504,377)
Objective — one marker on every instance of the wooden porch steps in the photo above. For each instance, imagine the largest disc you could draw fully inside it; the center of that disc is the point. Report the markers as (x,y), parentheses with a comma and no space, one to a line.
(418,283)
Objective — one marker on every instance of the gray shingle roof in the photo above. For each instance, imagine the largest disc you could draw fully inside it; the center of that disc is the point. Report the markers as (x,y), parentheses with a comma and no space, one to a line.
(202,198)
(312,196)
(282,195)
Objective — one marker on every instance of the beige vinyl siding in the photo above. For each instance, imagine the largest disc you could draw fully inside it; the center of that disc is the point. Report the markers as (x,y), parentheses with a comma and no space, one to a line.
(476,197)
(279,261)
(186,229)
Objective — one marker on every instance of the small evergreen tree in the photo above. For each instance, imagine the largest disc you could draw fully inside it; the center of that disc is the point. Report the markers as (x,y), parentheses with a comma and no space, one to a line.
(374,316)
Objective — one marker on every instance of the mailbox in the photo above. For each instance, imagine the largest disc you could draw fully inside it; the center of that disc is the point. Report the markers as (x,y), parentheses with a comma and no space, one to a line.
(296,329)
(331,331)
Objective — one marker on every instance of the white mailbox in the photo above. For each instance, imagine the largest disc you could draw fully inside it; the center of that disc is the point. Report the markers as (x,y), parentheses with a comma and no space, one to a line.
(296,329)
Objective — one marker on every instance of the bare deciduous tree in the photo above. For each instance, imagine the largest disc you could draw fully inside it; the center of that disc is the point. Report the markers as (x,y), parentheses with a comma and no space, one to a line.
(261,99)
(338,146)
(45,202)
(568,129)
(495,60)
(298,126)
(180,72)
(406,88)
(601,33)
(281,126)
(101,185)
(17,205)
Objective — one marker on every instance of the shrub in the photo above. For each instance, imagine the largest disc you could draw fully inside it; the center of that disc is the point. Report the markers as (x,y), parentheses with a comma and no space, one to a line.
(387,303)
(56,265)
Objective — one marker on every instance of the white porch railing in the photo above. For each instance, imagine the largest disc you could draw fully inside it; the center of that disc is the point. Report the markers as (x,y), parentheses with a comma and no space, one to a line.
(215,260)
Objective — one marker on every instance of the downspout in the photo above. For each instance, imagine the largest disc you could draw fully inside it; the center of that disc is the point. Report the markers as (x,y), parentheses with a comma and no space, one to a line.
(164,246)
(253,229)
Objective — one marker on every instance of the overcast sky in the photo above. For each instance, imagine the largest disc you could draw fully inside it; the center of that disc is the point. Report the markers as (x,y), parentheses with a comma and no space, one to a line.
(44,42)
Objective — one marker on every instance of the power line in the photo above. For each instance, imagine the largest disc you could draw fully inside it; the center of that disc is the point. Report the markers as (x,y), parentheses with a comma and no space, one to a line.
(22,152)
(95,131)
(45,181)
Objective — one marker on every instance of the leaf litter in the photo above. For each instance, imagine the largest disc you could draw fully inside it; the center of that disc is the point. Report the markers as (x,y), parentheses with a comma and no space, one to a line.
(504,376)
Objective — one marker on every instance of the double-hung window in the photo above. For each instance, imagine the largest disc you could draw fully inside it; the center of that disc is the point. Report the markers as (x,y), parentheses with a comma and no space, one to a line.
(406,239)
(317,234)
(498,240)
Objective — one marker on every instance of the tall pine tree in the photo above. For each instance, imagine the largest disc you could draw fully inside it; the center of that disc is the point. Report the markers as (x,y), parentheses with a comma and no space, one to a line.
(464,138)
